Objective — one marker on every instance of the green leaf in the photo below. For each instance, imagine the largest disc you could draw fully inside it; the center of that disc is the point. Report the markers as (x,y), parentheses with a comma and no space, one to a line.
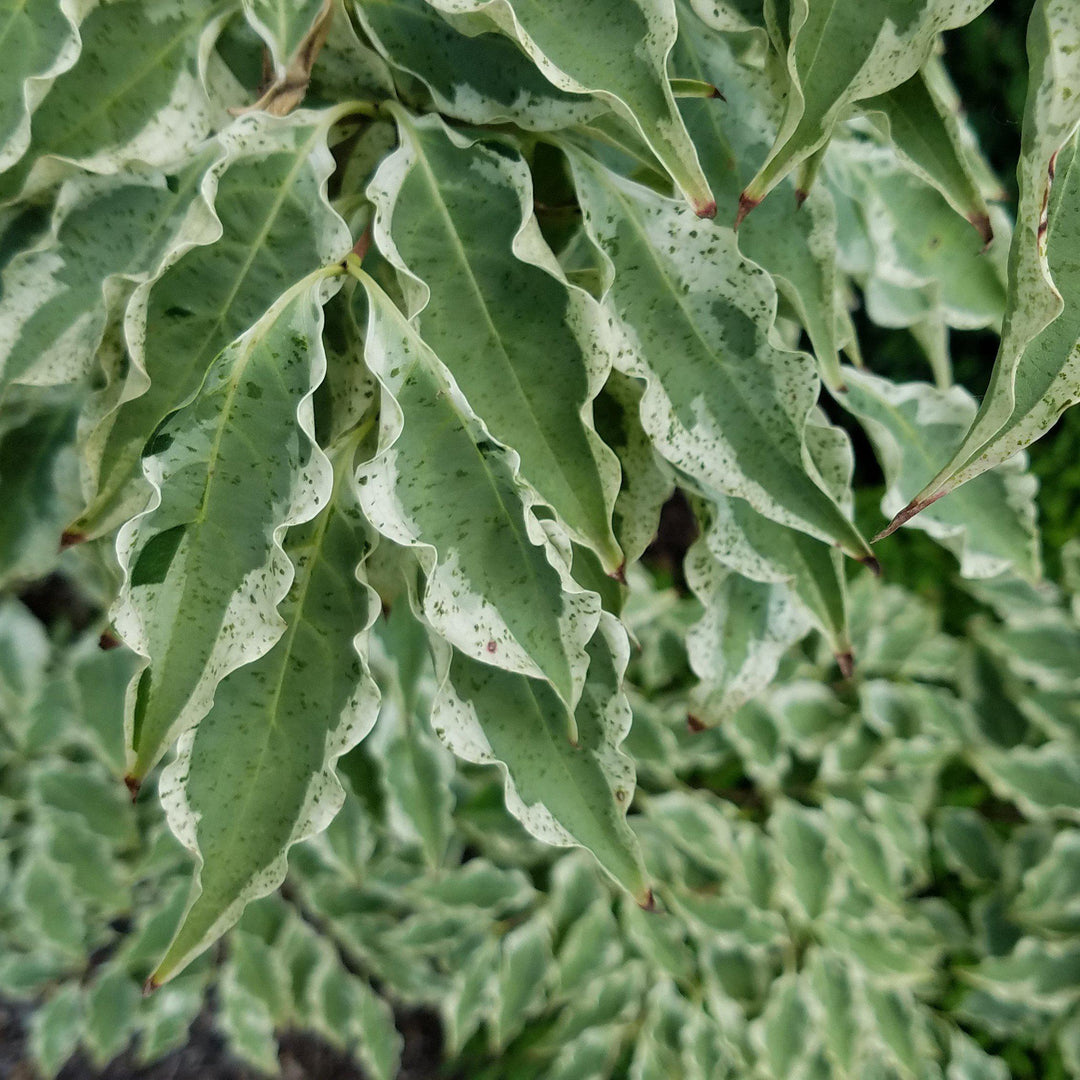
(736,647)
(481,79)
(135,94)
(55,1030)
(616,50)
(105,233)
(37,475)
(842,51)
(489,300)
(1035,376)
(240,793)
(763,551)
(990,524)
(915,258)
(112,1008)
(441,485)
(694,319)
(927,136)
(526,968)
(39,42)
(563,792)
(273,226)
(793,236)
(231,470)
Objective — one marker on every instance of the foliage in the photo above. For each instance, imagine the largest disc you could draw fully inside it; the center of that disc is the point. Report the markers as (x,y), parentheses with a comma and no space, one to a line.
(357,398)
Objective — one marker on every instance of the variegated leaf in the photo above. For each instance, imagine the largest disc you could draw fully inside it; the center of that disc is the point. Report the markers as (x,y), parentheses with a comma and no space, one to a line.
(271,226)
(1036,374)
(39,42)
(724,402)
(736,647)
(618,52)
(257,774)
(56,295)
(927,135)
(990,524)
(562,791)
(733,139)
(486,292)
(839,52)
(482,79)
(440,484)
(135,94)
(204,568)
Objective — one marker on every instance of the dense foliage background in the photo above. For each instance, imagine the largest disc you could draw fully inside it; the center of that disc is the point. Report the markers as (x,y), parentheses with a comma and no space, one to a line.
(868,873)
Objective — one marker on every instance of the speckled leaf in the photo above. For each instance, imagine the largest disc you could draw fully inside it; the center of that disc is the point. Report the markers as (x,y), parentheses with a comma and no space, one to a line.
(694,319)
(795,244)
(764,551)
(915,258)
(490,301)
(441,485)
(56,295)
(563,792)
(843,51)
(273,226)
(927,135)
(482,79)
(135,94)
(256,775)
(1036,374)
(38,41)
(1047,374)
(646,483)
(736,647)
(204,568)
(990,524)
(616,50)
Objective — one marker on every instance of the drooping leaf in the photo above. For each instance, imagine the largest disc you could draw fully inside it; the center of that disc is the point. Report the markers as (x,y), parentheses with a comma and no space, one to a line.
(135,94)
(990,524)
(763,551)
(1035,374)
(441,485)
(736,647)
(694,319)
(482,79)
(275,227)
(563,792)
(56,296)
(927,136)
(204,566)
(732,141)
(257,774)
(39,43)
(521,344)
(616,51)
(842,51)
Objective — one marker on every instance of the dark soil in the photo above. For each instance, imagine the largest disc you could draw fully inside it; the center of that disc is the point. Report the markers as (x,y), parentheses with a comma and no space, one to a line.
(302,1056)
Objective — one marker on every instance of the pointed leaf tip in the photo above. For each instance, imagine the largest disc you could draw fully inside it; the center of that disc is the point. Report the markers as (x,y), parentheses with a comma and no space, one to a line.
(70,538)
(134,785)
(916,506)
(706,210)
(150,986)
(845,661)
(648,901)
(746,204)
(695,723)
(800,197)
